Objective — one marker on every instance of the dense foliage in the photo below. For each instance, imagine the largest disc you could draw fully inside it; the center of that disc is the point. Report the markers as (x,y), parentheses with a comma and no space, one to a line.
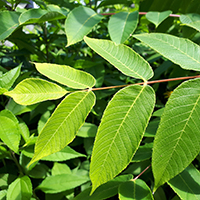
(99,99)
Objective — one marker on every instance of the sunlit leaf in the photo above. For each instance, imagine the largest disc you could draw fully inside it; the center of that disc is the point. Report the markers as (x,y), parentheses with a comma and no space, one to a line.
(121,25)
(157,17)
(34,90)
(66,75)
(135,189)
(79,23)
(20,189)
(64,123)
(122,57)
(179,50)
(120,132)
(177,142)
(191,20)
(186,184)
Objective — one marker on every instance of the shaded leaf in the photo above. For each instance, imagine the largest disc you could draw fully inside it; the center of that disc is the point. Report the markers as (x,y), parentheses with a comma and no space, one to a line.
(87,130)
(135,189)
(176,142)
(122,25)
(105,191)
(7,80)
(191,20)
(20,189)
(122,57)
(34,90)
(157,17)
(60,168)
(64,123)
(66,75)
(113,2)
(79,23)
(9,133)
(61,182)
(8,23)
(179,50)
(120,132)
(186,184)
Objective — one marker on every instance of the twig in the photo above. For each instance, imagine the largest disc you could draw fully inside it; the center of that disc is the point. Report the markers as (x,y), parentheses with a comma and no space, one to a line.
(141,173)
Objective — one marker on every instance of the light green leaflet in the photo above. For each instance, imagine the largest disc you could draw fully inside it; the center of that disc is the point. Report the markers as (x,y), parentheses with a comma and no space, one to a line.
(21,188)
(34,90)
(122,57)
(157,17)
(191,20)
(122,25)
(9,133)
(8,23)
(62,126)
(177,142)
(120,132)
(79,23)
(135,189)
(179,50)
(186,184)
(66,75)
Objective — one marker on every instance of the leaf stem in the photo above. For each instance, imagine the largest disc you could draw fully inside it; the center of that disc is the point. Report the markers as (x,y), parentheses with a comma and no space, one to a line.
(141,173)
(148,82)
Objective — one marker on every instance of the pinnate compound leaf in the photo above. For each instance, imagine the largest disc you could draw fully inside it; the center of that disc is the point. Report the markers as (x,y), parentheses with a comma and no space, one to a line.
(62,182)
(7,80)
(157,17)
(34,90)
(66,75)
(191,20)
(186,184)
(179,50)
(135,189)
(9,133)
(177,142)
(120,132)
(64,123)
(79,23)
(122,57)
(20,189)
(121,25)
(8,23)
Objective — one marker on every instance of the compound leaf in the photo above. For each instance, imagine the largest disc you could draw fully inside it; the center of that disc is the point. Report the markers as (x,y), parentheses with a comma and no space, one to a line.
(79,23)
(121,25)
(122,57)
(34,90)
(177,142)
(64,123)
(179,50)
(120,132)
(66,75)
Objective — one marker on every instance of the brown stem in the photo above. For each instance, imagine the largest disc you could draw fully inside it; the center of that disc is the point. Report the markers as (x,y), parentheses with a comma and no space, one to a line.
(141,173)
(148,82)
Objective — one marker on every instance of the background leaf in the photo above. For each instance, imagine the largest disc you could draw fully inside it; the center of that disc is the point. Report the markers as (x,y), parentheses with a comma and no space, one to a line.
(120,132)
(34,90)
(66,75)
(135,189)
(191,20)
(122,25)
(176,142)
(20,189)
(79,23)
(157,17)
(8,23)
(122,57)
(61,182)
(179,50)
(186,184)
(64,123)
